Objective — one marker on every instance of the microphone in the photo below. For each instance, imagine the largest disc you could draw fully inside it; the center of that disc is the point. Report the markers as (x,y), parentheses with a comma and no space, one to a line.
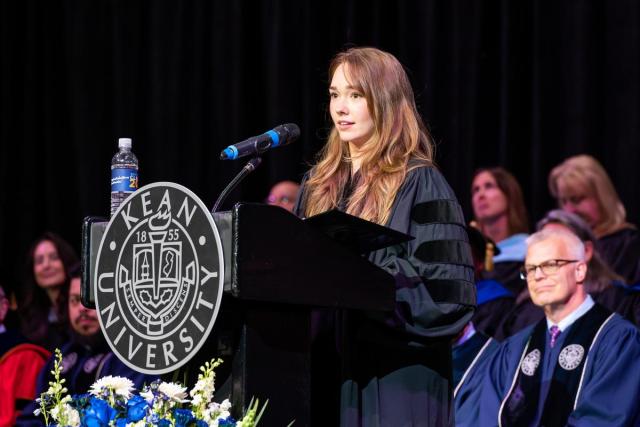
(246,170)
(277,137)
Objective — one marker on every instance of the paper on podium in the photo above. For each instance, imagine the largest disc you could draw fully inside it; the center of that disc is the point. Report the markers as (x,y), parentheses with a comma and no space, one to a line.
(360,235)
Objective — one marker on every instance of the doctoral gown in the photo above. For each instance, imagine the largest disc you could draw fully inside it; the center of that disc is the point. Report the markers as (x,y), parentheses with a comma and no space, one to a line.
(469,389)
(396,367)
(610,388)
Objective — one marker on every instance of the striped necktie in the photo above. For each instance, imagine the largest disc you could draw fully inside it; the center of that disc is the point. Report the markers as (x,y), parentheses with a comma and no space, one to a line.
(554,331)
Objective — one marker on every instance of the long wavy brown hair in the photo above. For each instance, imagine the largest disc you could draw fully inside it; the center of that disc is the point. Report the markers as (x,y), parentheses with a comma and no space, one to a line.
(399,143)
(33,301)
(517,217)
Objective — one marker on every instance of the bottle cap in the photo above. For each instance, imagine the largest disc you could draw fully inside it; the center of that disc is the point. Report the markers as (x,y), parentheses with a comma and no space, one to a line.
(124,143)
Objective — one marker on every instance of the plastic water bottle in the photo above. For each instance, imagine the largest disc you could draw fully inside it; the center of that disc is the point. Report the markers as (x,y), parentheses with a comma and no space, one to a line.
(124,174)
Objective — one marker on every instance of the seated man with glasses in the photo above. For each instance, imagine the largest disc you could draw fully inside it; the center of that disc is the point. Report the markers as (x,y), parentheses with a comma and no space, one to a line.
(574,367)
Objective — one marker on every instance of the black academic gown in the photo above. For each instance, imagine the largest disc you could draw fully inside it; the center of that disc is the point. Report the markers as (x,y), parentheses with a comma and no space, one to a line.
(621,251)
(9,339)
(396,367)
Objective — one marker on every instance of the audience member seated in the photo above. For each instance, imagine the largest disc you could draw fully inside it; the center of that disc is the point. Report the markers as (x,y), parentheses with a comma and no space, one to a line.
(500,214)
(574,366)
(20,363)
(42,297)
(494,300)
(605,286)
(284,194)
(582,186)
(85,358)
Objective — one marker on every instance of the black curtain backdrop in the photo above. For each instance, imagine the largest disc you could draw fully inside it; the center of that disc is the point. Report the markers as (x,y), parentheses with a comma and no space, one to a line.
(511,83)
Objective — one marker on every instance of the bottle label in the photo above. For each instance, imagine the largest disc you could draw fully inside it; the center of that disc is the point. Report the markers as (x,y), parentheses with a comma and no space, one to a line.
(124,179)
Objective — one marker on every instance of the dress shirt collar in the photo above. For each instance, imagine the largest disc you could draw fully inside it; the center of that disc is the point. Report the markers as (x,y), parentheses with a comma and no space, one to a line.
(575,315)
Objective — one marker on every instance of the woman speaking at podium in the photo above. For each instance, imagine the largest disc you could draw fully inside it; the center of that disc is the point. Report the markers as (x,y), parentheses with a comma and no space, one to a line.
(378,164)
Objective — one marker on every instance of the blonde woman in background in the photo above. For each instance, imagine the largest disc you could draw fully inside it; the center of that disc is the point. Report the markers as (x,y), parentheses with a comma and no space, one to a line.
(581,186)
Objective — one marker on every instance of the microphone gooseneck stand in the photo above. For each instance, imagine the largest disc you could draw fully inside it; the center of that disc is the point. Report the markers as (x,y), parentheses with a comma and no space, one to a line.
(246,170)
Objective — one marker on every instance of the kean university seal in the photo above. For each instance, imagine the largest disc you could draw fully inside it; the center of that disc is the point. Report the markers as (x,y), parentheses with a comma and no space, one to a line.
(158,276)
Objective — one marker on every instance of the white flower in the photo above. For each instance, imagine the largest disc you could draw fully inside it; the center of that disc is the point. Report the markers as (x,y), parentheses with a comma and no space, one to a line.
(203,387)
(225,405)
(72,416)
(204,384)
(52,389)
(210,415)
(197,400)
(118,385)
(216,411)
(201,394)
(147,395)
(55,412)
(173,391)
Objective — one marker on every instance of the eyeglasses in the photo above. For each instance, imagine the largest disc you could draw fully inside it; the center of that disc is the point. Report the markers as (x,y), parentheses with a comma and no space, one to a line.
(528,271)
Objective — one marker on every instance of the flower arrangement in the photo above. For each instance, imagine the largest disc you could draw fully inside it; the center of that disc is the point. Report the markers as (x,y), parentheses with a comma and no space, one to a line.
(112,401)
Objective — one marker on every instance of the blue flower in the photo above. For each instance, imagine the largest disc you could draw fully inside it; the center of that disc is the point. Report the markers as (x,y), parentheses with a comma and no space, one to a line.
(153,418)
(227,422)
(98,414)
(136,408)
(183,417)
(201,423)
(164,423)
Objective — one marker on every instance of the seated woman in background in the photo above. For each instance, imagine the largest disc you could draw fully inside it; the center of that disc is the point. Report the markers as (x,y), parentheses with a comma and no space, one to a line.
(581,186)
(500,214)
(605,286)
(42,296)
